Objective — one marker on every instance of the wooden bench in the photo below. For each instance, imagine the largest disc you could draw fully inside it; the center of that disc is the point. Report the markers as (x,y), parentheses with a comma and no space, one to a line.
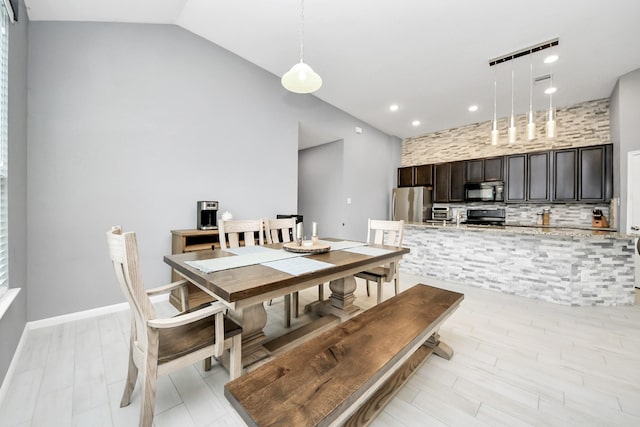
(347,374)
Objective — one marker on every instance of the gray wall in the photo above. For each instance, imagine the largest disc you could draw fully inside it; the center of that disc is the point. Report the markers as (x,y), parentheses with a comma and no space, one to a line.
(320,188)
(12,324)
(132,124)
(625,132)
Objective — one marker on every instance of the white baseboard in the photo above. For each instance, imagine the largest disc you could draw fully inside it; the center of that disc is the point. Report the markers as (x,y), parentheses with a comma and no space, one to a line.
(86,314)
(57,320)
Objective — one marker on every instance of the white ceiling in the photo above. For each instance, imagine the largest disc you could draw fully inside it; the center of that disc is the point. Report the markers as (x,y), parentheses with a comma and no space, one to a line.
(429,57)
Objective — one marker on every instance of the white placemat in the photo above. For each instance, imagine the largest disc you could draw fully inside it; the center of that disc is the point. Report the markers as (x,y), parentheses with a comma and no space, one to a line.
(341,245)
(242,259)
(298,266)
(368,250)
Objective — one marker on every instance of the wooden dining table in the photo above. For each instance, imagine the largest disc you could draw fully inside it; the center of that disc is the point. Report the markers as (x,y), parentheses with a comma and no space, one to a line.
(244,289)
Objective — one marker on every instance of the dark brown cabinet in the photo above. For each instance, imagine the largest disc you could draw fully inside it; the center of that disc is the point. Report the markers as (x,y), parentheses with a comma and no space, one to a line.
(565,174)
(441,185)
(475,170)
(539,177)
(423,175)
(456,190)
(405,176)
(411,176)
(595,169)
(493,169)
(583,174)
(516,182)
(479,170)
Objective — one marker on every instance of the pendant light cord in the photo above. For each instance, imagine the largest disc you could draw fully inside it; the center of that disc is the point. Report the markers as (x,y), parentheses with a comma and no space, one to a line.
(301,30)
(512,92)
(530,86)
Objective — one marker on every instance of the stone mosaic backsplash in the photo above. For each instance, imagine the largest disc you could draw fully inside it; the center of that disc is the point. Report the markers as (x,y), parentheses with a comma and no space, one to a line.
(562,214)
(572,270)
(579,125)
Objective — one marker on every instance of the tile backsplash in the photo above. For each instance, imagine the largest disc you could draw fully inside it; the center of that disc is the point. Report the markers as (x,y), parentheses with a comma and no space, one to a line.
(563,214)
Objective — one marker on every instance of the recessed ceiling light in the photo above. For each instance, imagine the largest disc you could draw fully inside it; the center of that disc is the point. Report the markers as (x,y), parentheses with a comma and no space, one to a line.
(550,59)
(393,107)
(473,108)
(416,122)
(550,90)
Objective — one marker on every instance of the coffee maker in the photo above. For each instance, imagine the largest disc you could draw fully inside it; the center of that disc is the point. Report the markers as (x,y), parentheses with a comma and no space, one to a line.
(207,213)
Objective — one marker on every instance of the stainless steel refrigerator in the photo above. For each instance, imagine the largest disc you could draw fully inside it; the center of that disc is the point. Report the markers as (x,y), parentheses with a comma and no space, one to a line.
(412,204)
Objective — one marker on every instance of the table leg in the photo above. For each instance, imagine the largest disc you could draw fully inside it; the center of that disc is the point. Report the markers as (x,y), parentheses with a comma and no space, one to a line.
(252,319)
(341,301)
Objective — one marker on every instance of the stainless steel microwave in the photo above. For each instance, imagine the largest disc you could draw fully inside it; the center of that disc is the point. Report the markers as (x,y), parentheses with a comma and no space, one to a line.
(484,191)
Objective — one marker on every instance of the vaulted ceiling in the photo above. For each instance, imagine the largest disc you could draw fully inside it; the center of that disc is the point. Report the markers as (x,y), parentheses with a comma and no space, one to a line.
(429,57)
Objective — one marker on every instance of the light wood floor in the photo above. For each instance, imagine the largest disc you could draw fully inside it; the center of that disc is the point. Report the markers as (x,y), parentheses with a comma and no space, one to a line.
(517,362)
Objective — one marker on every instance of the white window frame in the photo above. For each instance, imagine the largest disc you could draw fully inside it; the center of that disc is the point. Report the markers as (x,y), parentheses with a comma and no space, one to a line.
(4,155)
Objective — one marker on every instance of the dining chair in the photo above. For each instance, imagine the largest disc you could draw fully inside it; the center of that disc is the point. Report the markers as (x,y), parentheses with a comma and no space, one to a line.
(159,346)
(233,232)
(283,230)
(388,233)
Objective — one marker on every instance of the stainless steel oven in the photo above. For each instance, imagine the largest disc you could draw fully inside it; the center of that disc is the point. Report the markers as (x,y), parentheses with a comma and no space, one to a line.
(484,191)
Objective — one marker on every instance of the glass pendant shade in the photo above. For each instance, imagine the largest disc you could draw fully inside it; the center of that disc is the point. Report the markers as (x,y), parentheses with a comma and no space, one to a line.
(512,130)
(551,123)
(531,127)
(494,133)
(301,79)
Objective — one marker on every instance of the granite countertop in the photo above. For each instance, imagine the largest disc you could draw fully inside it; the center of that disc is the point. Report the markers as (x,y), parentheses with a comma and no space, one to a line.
(555,230)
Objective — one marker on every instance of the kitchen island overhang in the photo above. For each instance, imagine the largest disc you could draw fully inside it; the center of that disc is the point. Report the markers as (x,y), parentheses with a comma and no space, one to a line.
(560,265)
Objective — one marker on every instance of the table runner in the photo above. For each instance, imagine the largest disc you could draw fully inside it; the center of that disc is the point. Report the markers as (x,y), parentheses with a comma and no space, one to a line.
(251,255)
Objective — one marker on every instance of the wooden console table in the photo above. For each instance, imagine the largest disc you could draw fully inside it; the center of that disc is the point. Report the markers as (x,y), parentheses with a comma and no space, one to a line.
(183,241)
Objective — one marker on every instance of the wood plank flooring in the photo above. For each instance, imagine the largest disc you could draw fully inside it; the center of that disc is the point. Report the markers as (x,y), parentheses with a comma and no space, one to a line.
(517,362)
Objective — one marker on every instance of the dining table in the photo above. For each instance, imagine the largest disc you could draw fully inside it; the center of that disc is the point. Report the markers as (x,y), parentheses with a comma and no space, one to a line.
(244,278)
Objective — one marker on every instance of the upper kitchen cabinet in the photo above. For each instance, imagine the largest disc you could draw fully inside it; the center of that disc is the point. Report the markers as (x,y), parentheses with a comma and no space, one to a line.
(456,190)
(565,175)
(480,170)
(516,181)
(423,175)
(442,180)
(595,171)
(412,176)
(405,176)
(528,177)
(539,177)
(583,174)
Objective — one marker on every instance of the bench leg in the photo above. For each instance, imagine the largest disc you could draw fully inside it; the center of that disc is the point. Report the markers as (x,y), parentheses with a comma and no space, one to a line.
(321,292)
(368,294)
(235,360)
(439,348)
(379,290)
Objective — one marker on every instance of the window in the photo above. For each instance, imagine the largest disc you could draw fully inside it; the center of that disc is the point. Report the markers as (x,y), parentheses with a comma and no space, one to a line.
(4,136)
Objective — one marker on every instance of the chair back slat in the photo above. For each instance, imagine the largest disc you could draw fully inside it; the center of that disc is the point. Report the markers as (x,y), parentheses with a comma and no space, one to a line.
(123,250)
(388,233)
(281,230)
(229,232)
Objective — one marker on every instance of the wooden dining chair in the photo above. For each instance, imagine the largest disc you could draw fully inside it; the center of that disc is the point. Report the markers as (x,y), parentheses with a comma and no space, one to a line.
(234,233)
(388,233)
(283,231)
(159,346)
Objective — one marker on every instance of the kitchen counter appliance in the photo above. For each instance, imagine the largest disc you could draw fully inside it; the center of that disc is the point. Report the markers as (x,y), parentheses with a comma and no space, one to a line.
(492,191)
(495,217)
(441,213)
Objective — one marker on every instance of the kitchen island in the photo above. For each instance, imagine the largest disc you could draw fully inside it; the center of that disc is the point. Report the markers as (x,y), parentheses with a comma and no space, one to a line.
(562,265)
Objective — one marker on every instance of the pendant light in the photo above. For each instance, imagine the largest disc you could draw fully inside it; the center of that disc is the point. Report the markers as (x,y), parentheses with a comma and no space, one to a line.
(301,78)
(494,128)
(551,114)
(531,126)
(512,121)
